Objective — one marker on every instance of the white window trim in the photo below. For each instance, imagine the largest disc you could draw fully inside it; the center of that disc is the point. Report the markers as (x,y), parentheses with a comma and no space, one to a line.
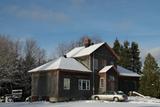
(111,78)
(80,84)
(66,83)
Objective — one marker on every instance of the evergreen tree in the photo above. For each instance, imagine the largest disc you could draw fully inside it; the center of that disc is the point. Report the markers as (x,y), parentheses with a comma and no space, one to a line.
(129,55)
(117,46)
(117,49)
(149,83)
(135,59)
(125,59)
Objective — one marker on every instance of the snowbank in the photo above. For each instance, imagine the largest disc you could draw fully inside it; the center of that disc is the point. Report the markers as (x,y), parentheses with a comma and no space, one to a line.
(145,99)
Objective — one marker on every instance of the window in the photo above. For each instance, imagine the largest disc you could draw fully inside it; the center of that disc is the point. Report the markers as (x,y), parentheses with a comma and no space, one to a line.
(101,82)
(84,84)
(104,62)
(66,85)
(112,63)
(111,78)
(96,64)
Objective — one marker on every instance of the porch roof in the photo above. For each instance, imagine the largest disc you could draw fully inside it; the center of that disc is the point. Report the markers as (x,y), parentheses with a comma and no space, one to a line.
(62,63)
(106,68)
(125,72)
(121,71)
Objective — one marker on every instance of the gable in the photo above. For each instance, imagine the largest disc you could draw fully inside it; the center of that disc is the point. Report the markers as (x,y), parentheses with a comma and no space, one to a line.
(105,53)
(111,51)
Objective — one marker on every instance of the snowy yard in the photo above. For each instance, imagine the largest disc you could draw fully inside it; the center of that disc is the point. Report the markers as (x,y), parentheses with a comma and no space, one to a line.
(133,102)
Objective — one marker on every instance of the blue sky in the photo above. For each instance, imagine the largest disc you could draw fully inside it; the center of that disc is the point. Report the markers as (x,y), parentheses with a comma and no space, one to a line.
(54,21)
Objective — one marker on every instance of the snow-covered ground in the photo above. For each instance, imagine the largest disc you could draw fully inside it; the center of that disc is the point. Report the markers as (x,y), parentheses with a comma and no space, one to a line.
(132,102)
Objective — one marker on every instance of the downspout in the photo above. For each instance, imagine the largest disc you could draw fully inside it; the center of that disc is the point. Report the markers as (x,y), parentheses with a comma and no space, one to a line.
(93,74)
(58,85)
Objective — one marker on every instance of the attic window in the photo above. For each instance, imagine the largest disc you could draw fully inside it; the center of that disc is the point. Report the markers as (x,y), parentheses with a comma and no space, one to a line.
(96,64)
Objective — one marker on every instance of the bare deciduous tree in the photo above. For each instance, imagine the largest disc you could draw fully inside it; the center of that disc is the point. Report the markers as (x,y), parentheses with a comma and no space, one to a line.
(63,48)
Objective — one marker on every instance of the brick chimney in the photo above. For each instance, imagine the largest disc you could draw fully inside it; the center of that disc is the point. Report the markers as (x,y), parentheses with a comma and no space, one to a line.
(86,42)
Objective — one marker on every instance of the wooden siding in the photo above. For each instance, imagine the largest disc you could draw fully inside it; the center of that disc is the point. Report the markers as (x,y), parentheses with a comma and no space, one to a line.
(107,82)
(103,89)
(50,84)
(102,54)
(45,84)
(113,73)
(74,92)
(127,84)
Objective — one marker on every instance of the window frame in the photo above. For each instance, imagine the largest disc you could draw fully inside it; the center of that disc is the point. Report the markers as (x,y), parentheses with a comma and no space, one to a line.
(111,78)
(83,84)
(101,85)
(96,66)
(66,83)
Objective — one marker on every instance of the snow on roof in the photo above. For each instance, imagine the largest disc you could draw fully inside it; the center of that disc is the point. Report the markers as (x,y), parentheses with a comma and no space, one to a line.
(74,51)
(105,69)
(125,72)
(83,51)
(62,63)
(121,71)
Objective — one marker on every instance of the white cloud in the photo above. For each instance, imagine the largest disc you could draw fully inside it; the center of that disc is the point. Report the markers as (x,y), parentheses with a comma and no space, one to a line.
(155,52)
(36,13)
(124,25)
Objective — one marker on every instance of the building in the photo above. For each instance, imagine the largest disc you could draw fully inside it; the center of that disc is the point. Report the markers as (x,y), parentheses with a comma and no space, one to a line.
(83,71)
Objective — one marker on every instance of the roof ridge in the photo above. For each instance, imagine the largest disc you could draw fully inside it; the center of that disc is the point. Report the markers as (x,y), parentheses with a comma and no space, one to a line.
(60,60)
